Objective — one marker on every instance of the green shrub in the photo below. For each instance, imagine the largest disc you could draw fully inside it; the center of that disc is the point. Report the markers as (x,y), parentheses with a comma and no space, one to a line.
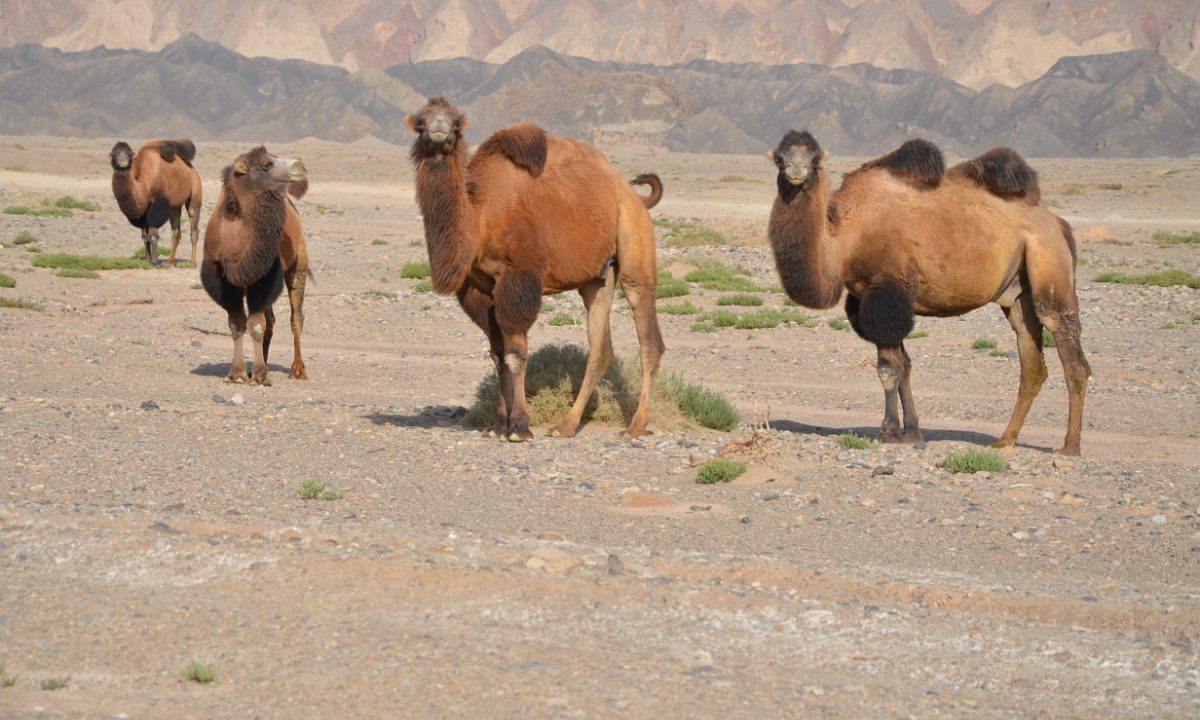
(715,471)
(703,262)
(377,241)
(722,318)
(199,672)
(379,293)
(1169,239)
(140,253)
(196,286)
(669,286)
(67,202)
(684,308)
(999,353)
(89,262)
(852,441)
(79,274)
(688,235)
(56,683)
(707,408)
(732,178)
(838,323)
(33,249)
(1048,340)
(40,212)
(20,304)
(703,327)
(973,460)
(708,275)
(310,489)
(740,299)
(917,334)
(416,243)
(423,287)
(7,281)
(24,239)
(547,307)
(983,344)
(415,270)
(333,494)
(563,319)
(1166,278)
(757,321)
(790,302)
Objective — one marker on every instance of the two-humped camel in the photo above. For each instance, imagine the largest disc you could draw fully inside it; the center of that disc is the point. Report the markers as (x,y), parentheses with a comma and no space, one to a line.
(532,215)
(155,186)
(253,246)
(905,236)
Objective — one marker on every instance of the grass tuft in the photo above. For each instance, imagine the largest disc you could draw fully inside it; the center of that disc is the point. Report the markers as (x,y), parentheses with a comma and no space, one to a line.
(379,293)
(682,234)
(547,307)
(704,262)
(196,286)
(37,212)
(423,287)
(669,286)
(740,299)
(333,494)
(715,471)
(973,460)
(917,334)
(563,319)
(24,239)
(56,683)
(310,489)
(67,202)
(852,441)
(20,304)
(1170,239)
(999,353)
(79,274)
(90,262)
(983,344)
(198,672)
(703,327)
(415,270)
(708,408)
(416,243)
(684,308)
(1166,278)
(377,241)
(1048,340)
(7,281)
(838,323)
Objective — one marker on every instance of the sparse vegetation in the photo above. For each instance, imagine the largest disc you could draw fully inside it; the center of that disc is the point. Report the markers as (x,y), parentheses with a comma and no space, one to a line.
(20,304)
(423,287)
(415,270)
(333,494)
(838,323)
(17,167)
(722,318)
(1165,278)
(1048,340)
(704,262)
(310,489)
(715,471)
(24,239)
(563,319)
(37,212)
(377,241)
(999,353)
(852,441)
(79,274)
(684,308)
(547,307)
(33,249)
(973,460)
(7,281)
(416,243)
(89,262)
(682,234)
(983,344)
(703,327)
(707,408)
(67,202)
(740,299)
(426,306)
(732,178)
(379,293)
(7,680)
(56,683)
(196,286)
(917,334)
(669,286)
(1171,239)
(198,672)
(327,210)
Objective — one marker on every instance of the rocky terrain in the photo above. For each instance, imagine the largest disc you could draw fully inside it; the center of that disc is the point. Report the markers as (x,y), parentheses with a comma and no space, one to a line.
(974,42)
(1131,104)
(149,513)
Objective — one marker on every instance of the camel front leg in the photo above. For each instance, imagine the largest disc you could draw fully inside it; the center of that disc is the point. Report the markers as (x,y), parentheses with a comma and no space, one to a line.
(176,235)
(890,367)
(237,368)
(259,330)
(643,299)
(912,424)
(1033,364)
(516,357)
(597,299)
(517,299)
(193,210)
(479,307)
(1076,371)
(295,279)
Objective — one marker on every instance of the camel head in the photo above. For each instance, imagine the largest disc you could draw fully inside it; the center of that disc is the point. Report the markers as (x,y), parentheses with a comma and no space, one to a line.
(798,158)
(121,156)
(260,171)
(438,125)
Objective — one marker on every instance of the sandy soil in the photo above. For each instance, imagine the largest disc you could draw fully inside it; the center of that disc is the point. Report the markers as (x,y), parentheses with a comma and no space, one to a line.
(148,520)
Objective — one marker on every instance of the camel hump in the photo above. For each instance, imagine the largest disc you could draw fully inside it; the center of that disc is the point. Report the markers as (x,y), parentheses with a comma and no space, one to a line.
(916,159)
(656,188)
(166,150)
(185,149)
(525,145)
(1002,172)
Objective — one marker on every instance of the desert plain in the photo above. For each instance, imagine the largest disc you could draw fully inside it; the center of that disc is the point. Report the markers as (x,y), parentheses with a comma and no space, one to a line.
(149,513)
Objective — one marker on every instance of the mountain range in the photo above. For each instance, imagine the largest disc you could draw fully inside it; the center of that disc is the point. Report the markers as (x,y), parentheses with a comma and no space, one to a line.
(1126,104)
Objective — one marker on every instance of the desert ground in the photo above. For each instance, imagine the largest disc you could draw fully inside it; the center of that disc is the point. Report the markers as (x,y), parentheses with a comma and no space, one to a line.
(149,513)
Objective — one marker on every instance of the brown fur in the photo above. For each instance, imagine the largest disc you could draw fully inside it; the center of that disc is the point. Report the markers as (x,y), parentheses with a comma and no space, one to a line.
(939,249)
(254,246)
(531,215)
(154,186)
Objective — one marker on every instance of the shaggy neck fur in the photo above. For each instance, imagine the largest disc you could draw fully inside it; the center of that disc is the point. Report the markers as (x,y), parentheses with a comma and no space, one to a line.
(804,253)
(264,214)
(131,196)
(450,233)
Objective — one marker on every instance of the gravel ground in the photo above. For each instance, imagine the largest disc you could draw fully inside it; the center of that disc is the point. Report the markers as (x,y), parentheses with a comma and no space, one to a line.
(149,513)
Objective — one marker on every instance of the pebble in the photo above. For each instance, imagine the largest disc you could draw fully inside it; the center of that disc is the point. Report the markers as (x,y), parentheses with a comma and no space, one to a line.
(1020,535)
(882,470)
(745,519)
(238,399)
(615,566)
(218,399)
(149,405)
(921,445)
(5,514)
(1158,519)
(162,527)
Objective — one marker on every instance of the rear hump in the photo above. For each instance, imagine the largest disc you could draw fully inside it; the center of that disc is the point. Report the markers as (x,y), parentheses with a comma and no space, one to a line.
(1002,172)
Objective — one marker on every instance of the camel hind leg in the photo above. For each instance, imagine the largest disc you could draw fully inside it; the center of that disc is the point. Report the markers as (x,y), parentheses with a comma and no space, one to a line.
(259,298)
(642,297)
(176,235)
(295,279)
(597,299)
(1024,321)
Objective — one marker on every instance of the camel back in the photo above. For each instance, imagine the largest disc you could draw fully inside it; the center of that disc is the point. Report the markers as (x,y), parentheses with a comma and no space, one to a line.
(168,150)
(1002,172)
(915,161)
(524,144)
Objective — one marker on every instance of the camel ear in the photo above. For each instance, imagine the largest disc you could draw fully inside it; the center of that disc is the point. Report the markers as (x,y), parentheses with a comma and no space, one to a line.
(411,122)
(771,155)
(240,167)
(462,123)
(824,156)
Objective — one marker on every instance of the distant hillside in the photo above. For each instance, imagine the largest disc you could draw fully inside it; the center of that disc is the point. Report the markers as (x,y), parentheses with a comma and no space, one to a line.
(1119,105)
(974,42)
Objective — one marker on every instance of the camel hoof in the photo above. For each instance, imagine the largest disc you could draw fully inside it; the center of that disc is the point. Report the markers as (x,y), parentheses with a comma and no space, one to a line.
(265,382)
(912,437)
(1068,452)
(891,439)
(236,379)
(519,436)
(554,433)
(298,374)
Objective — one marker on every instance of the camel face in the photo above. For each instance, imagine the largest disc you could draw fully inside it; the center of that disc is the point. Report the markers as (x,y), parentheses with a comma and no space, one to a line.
(439,126)
(797,157)
(121,156)
(263,172)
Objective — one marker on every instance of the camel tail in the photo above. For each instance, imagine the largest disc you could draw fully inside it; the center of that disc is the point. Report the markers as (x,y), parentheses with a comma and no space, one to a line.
(525,145)
(656,188)
(1002,172)
(917,159)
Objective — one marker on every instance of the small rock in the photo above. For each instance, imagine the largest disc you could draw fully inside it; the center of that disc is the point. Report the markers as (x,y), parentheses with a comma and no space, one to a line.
(772,496)
(535,563)
(218,399)
(921,445)
(1158,519)
(1063,464)
(165,529)
(1069,499)
(149,405)
(553,559)
(745,519)
(197,343)
(553,536)
(238,399)
(697,458)
(1011,355)
(37,488)
(1020,535)
(882,470)
(615,566)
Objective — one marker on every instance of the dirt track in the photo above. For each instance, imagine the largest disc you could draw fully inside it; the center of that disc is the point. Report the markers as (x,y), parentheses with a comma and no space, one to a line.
(464,577)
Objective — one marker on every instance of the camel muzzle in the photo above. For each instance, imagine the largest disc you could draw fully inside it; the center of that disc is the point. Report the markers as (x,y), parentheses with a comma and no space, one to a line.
(439,129)
(796,175)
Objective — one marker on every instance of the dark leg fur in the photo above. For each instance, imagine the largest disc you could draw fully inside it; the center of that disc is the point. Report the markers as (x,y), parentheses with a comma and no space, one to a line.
(266,290)
(884,315)
(158,213)
(478,306)
(224,293)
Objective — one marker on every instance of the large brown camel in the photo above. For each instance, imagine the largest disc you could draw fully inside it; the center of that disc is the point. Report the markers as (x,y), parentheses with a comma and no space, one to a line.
(533,215)
(905,236)
(155,186)
(253,246)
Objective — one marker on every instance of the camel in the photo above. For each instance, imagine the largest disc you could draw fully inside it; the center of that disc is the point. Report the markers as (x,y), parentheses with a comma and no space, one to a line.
(155,186)
(904,236)
(533,215)
(254,246)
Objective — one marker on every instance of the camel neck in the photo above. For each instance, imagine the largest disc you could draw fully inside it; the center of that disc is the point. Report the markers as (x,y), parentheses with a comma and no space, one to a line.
(449,218)
(805,255)
(266,214)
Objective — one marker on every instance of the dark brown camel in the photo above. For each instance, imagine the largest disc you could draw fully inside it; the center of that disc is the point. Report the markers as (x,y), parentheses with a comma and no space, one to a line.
(155,186)
(253,246)
(905,236)
(532,215)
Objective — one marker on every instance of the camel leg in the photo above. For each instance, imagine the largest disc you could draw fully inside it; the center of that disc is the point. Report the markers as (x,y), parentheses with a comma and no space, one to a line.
(642,299)
(597,299)
(478,306)
(295,279)
(193,210)
(237,327)
(268,333)
(912,429)
(257,324)
(1064,325)
(176,235)
(891,369)
(1033,365)
(518,299)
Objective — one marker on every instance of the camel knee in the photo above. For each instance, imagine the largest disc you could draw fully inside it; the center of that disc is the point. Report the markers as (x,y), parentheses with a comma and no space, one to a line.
(257,331)
(889,376)
(515,362)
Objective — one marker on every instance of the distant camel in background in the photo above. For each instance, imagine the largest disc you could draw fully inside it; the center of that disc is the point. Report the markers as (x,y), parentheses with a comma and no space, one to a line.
(904,236)
(154,186)
(253,246)
(532,215)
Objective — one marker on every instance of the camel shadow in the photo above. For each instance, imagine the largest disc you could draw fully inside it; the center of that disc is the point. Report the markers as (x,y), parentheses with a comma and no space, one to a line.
(222,369)
(420,420)
(872,432)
